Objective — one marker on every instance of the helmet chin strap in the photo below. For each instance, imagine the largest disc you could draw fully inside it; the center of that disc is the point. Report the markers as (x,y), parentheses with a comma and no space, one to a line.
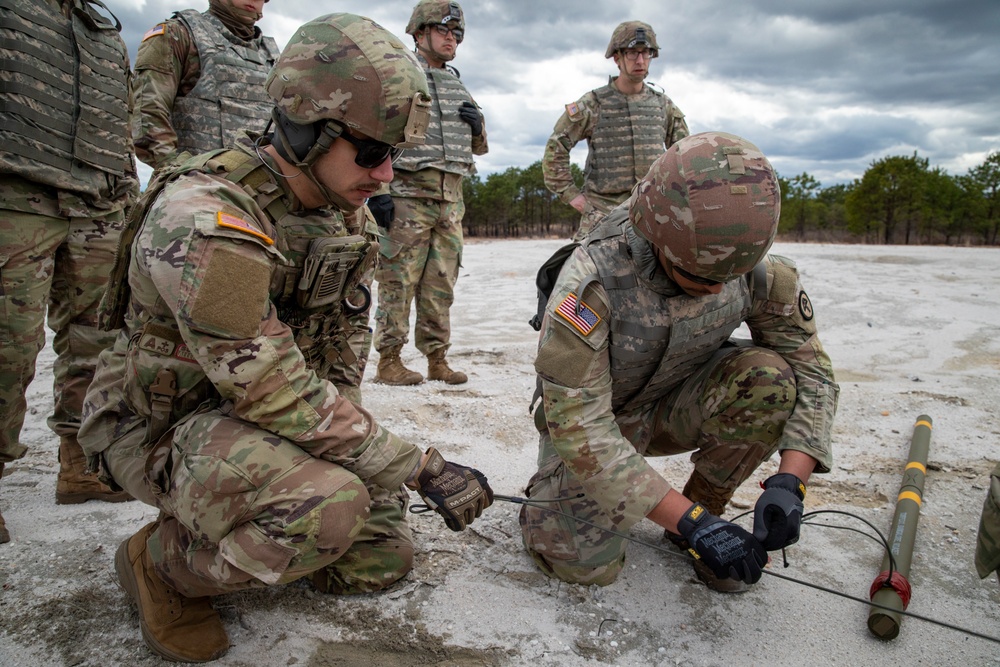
(289,148)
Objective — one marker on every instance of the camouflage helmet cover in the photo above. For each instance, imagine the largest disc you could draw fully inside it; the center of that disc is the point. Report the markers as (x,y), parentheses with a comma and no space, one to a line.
(631,34)
(349,69)
(710,204)
(430,12)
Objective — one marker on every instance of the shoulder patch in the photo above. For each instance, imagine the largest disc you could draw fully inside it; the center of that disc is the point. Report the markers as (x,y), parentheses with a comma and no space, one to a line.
(583,321)
(223,219)
(785,283)
(573,110)
(158,29)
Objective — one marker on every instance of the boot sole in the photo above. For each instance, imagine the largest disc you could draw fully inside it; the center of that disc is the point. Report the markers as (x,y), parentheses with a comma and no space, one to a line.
(84,496)
(126,577)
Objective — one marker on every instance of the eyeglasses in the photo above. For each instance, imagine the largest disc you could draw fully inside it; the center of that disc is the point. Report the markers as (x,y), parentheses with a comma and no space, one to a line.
(371,152)
(693,278)
(632,55)
(443,30)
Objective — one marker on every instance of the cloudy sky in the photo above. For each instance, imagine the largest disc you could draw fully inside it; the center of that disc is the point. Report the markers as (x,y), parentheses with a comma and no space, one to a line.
(822,87)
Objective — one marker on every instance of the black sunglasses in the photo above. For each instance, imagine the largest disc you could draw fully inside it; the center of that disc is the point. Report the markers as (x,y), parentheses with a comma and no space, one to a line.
(695,279)
(371,152)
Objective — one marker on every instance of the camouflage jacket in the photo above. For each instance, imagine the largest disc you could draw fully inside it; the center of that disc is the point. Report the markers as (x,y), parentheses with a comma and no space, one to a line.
(988,540)
(64,148)
(169,68)
(436,169)
(580,121)
(216,276)
(583,388)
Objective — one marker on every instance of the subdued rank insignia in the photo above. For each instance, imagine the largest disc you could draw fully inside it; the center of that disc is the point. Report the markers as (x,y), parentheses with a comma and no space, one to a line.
(584,321)
(241,225)
(158,29)
(805,306)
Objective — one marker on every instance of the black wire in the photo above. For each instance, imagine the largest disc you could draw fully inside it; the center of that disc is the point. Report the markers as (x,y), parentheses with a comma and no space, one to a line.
(538,503)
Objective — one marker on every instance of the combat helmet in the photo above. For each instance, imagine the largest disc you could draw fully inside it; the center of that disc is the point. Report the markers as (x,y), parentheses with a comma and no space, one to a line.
(345,71)
(710,204)
(631,34)
(436,12)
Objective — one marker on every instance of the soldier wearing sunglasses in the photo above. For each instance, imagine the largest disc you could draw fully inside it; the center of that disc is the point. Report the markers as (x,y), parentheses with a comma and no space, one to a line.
(230,399)
(420,213)
(627,124)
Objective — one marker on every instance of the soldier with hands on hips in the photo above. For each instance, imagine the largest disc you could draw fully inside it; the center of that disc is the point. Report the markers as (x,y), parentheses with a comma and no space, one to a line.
(635,360)
(627,124)
(220,402)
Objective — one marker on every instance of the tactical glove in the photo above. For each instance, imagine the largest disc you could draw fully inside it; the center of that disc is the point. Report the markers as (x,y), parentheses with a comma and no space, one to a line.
(730,551)
(470,114)
(383,210)
(456,492)
(778,512)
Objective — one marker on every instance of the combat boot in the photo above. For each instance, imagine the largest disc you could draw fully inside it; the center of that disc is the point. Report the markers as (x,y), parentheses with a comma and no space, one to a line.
(438,369)
(175,627)
(700,490)
(74,484)
(4,534)
(392,371)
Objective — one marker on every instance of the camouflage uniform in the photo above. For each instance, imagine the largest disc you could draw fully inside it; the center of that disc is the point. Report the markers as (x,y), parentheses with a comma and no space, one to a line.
(422,251)
(646,370)
(988,541)
(66,175)
(219,404)
(197,85)
(624,134)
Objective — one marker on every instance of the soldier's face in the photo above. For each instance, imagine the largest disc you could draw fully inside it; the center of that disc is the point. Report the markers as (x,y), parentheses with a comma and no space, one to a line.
(441,45)
(636,69)
(338,171)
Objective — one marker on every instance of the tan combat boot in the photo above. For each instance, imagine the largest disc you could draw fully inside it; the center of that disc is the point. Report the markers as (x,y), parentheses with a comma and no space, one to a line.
(175,627)
(4,534)
(438,369)
(700,490)
(392,371)
(74,484)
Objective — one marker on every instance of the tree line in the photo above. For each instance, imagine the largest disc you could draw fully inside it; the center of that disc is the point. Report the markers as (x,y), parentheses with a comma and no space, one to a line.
(898,200)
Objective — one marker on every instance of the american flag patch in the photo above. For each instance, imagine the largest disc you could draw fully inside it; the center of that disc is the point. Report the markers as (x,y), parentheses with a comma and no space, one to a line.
(239,224)
(585,321)
(154,31)
(572,109)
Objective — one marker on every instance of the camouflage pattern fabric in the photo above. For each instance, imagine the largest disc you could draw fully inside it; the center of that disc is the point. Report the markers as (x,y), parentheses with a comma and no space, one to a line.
(169,71)
(732,412)
(421,252)
(263,465)
(577,124)
(61,265)
(420,257)
(988,540)
(631,34)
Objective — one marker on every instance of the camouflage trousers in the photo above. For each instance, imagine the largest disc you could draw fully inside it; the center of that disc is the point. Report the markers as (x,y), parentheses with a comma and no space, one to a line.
(988,539)
(243,508)
(594,210)
(61,264)
(419,261)
(730,414)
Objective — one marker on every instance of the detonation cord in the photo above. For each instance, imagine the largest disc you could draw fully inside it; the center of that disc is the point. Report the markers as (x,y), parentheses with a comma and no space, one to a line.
(545,504)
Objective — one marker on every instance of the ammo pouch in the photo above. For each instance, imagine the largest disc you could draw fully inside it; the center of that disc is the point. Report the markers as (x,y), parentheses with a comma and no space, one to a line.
(333,269)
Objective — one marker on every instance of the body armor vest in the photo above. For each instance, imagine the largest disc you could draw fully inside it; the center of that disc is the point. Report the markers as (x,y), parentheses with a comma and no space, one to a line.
(229,95)
(63,98)
(322,334)
(659,334)
(448,146)
(627,139)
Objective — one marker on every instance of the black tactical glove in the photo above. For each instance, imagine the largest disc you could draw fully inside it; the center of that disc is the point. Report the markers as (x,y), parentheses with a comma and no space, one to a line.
(456,492)
(730,551)
(778,512)
(470,114)
(383,210)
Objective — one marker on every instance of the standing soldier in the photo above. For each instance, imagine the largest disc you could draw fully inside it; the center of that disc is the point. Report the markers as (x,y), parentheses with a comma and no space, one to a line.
(635,360)
(66,175)
(627,125)
(214,405)
(199,80)
(421,213)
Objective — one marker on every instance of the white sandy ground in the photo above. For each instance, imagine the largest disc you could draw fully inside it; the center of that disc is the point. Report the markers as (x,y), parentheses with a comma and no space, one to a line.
(912,330)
